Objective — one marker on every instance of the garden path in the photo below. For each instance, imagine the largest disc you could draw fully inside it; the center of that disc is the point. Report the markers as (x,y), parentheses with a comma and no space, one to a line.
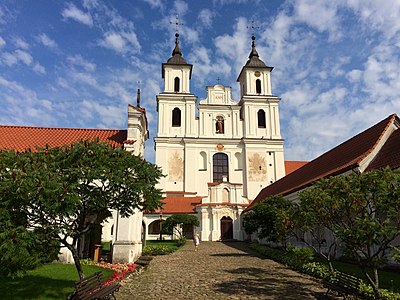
(218,271)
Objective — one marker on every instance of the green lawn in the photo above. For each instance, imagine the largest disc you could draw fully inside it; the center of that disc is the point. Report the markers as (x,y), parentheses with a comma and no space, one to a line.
(171,244)
(389,280)
(51,281)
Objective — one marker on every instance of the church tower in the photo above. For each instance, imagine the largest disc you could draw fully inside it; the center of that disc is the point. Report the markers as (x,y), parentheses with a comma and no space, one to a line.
(263,145)
(176,108)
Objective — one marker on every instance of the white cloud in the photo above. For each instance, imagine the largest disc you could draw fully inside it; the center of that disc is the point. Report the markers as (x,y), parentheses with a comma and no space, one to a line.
(121,42)
(354,76)
(378,15)
(180,7)
(235,46)
(233,2)
(24,107)
(84,78)
(47,41)
(72,12)
(38,68)
(320,15)
(78,60)
(11,58)
(155,4)
(205,17)
(2,42)
(20,43)
(108,116)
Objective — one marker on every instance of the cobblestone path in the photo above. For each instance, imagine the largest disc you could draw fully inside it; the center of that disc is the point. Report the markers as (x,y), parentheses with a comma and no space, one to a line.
(218,271)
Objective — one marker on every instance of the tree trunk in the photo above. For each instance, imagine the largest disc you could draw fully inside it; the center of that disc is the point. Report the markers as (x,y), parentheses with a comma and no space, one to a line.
(373,282)
(77,260)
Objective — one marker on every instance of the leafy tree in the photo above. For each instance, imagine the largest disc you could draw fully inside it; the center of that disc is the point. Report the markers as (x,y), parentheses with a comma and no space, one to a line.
(63,191)
(271,219)
(362,211)
(174,224)
(314,218)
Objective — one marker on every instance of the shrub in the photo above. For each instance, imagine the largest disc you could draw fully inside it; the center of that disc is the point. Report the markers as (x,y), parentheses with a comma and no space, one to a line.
(315,269)
(180,242)
(367,292)
(297,257)
(157,250)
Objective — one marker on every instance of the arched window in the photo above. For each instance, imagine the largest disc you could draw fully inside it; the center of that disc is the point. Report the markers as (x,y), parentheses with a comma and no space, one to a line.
(176,84)
(176,117)
(154,227)
(220,167)
(203,161)
(258,86)
(219,125)
(261,118)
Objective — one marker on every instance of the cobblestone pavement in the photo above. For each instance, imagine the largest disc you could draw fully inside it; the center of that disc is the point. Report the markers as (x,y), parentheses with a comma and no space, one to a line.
(218,271)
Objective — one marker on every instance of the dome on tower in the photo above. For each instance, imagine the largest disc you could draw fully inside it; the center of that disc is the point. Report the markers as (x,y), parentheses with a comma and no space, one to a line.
(254,60)
(176,58)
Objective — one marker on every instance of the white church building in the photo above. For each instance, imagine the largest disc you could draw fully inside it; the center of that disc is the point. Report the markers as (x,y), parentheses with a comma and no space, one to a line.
(217,153)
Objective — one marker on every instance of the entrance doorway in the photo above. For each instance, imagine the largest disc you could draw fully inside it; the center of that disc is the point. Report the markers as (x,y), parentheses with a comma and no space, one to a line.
(226,228)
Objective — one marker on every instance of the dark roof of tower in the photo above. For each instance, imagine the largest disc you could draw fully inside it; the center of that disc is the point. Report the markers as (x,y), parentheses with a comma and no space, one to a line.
(176,58)
(254,59)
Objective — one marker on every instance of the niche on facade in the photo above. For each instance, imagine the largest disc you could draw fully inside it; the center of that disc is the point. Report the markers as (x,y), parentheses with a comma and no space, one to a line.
(238,161)
(219,125)
(203,161)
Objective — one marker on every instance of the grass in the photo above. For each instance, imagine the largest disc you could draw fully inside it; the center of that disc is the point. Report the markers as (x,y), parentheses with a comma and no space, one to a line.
(48,282)
(170,244)
(389,280)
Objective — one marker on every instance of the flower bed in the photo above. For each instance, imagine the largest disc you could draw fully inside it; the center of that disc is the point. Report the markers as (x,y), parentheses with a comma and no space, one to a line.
(121,270)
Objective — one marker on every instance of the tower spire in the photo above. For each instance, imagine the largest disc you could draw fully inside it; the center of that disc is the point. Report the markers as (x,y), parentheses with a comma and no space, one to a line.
(138,95)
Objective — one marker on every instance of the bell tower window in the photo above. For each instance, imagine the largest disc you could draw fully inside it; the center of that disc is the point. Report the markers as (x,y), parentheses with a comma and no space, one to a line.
(176,84)
(261,118)
(176,117)
(258,86)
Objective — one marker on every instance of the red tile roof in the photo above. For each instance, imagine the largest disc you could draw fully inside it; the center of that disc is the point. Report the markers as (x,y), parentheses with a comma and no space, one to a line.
(389,154)
(21,138)
(223,203)
(292,165)
(344,157)
(179,205)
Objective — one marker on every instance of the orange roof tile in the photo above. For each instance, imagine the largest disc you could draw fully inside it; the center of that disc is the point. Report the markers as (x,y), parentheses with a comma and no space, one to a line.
(223,203)
(388,155)
(345,156)
(21,138)
(292,165)
(179,205)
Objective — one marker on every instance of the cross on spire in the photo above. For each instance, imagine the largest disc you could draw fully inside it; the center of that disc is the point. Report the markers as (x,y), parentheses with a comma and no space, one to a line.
(253,27)
(176,23)
(218,79)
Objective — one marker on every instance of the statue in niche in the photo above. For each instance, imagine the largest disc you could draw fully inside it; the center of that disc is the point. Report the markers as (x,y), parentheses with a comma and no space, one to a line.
(220,125)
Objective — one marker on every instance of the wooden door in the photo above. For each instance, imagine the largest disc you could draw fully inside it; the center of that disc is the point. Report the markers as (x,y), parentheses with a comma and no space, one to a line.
(226,228)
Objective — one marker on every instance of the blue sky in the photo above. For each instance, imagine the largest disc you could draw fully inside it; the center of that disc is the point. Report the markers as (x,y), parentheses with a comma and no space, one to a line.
(77,63)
